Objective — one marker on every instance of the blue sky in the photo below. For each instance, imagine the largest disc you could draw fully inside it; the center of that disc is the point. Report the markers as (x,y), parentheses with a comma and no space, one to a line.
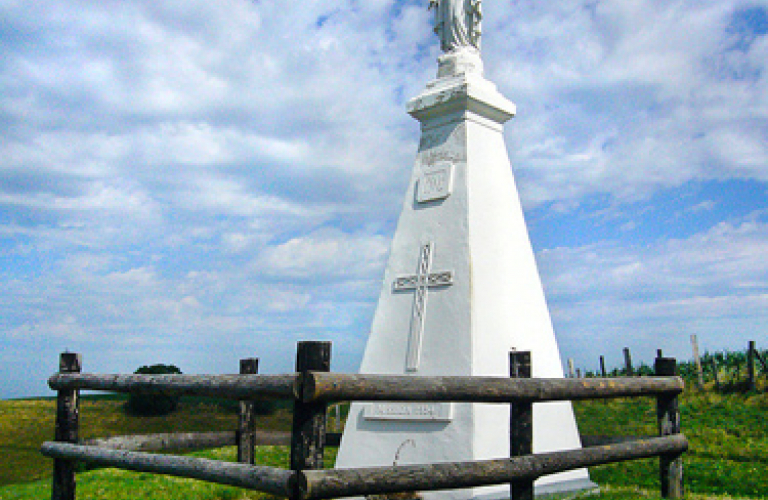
(195,182)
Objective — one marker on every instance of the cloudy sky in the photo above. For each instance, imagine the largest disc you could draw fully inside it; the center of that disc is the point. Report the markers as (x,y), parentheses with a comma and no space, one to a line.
(192,182)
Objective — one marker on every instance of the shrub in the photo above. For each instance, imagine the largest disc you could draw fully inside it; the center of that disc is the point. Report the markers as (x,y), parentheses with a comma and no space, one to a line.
(153,404)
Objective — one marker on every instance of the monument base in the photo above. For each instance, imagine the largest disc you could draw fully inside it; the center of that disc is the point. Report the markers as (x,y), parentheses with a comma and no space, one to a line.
(548,490)
(551,490)
(565,489)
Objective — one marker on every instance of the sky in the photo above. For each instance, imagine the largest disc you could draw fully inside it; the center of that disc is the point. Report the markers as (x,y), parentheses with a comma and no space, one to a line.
(194,182)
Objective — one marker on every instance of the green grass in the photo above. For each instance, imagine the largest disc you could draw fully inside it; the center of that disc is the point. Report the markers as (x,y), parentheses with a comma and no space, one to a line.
(609,492)
(728,457)
(26,424)
(115,484)
(728,437)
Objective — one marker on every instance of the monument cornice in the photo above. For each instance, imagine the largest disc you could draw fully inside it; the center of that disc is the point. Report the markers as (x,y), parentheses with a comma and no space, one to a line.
(464,92)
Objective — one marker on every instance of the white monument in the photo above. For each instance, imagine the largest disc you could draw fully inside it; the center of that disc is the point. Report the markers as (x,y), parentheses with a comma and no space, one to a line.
(461,288)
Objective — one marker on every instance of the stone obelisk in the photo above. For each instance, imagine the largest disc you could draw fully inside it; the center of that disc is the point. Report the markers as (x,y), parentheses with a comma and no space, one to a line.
(461,288)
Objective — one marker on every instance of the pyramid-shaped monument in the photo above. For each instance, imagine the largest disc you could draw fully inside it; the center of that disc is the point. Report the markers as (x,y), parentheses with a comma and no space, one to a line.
(461,288)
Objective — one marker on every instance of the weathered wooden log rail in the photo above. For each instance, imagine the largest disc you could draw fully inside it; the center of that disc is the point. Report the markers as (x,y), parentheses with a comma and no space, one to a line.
(165,441)
(345,387)
(238,387)
(272,480)
(334,483)
(312,388)
(179,441)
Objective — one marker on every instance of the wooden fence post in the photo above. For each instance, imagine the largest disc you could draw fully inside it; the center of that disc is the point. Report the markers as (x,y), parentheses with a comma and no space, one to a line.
(697,360)
(309,419)
(715,374)
(337,420)
(246,425)
(668,414)
(628,362)
(520,424)
(751,366)
(67,427)
(762,361)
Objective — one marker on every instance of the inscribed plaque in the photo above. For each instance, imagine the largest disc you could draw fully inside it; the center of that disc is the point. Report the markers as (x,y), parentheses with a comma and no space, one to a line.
(430,412)
(435,182)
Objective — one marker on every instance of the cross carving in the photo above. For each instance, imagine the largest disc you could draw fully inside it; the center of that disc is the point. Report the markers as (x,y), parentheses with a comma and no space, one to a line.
(420,283)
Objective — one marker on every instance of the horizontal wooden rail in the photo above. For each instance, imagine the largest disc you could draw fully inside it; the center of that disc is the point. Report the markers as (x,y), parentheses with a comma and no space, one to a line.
(255,477)
(316,386)
(336,483)
(219,386)
(186,440)
(165,441)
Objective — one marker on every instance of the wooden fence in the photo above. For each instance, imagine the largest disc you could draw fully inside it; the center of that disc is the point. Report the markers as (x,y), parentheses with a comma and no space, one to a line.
(730,371)
(312,388)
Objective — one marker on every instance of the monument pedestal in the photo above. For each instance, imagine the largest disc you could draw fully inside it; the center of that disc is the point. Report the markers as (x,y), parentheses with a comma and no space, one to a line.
(461,290)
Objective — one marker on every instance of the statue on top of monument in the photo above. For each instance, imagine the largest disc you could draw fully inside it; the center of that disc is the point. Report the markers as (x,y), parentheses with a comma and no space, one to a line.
(457,23)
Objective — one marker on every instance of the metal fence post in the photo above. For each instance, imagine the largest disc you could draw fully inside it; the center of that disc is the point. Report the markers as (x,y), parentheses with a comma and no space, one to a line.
(520,424)
(246,422)
(668,414)
(67,426)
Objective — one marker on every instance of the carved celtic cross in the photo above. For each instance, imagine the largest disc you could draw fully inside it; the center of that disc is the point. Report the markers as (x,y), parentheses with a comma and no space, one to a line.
(420,283)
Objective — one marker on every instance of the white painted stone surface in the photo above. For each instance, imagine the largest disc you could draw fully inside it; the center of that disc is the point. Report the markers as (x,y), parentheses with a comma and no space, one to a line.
(491,302)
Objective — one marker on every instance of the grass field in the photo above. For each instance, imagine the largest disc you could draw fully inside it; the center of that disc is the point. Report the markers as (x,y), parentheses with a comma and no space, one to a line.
(114,484)
(728,437)
(26,424)
(728,456)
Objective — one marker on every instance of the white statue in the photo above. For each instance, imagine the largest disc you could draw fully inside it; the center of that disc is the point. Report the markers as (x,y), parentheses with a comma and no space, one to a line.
(457,23)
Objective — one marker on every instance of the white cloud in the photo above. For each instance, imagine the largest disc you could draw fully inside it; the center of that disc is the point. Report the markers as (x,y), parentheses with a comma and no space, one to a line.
(624,99)
(326,255)
(92,154)
(714,284)
(227,174)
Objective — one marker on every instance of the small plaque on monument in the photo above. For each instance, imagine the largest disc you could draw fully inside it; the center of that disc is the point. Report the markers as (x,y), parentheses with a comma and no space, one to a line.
(435,182)
(430,412)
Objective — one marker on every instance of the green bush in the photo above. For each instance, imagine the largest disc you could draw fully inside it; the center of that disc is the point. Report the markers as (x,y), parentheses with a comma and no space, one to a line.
(153,404)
